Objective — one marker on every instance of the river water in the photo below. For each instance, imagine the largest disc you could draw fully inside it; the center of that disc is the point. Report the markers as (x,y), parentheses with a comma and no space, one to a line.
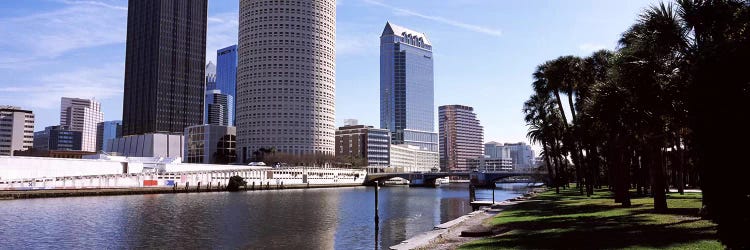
(340,218)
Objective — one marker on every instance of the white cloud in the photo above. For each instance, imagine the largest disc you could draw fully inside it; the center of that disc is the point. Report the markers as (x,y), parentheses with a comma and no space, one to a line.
(40,37)
(96,3)
(591,47)
(222,32)
(356,44)
(451,22)
(44,92)
(33,40)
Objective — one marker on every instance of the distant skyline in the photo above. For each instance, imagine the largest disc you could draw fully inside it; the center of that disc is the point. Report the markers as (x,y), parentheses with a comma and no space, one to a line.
(485,51)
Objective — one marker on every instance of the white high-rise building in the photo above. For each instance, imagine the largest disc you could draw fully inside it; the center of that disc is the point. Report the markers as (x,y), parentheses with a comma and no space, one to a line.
(16,129)
(521,153)
(82,115)
(286,77)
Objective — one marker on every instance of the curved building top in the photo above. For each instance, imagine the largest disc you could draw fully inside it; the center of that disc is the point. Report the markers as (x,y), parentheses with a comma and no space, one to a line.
(411,37)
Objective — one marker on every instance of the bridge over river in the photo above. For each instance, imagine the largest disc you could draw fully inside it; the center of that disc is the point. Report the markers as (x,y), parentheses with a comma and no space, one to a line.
(428,179)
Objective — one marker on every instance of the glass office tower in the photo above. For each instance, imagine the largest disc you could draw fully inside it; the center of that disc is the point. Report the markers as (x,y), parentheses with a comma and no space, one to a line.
(226,78)
(407,105)
(106,132)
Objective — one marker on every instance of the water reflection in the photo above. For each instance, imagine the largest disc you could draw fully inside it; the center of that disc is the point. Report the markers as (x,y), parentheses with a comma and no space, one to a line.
(341,218)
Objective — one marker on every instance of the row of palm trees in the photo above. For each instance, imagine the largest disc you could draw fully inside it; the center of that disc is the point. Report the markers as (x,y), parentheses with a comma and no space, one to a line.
(669,106)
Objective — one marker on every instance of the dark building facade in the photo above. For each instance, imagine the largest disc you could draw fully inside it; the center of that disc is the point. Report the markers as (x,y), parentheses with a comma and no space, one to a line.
(58,138)
(217,108)
(164,65)
(210,144)
(365,142)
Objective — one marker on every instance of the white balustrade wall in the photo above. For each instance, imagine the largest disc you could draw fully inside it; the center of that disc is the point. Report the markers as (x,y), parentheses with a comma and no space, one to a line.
(52,173)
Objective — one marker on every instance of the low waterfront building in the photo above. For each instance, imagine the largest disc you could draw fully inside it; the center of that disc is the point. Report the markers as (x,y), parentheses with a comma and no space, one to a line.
(67,154)
(364,142)
(148,145)
(106,171)
(58,138)
(409,158)
(210,144)
(16,129)
(489,164)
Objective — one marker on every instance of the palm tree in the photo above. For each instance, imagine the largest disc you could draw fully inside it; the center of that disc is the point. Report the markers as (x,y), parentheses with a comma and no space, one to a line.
(537,109)
(587,128)
(550,78)
(651,57)
(718,102)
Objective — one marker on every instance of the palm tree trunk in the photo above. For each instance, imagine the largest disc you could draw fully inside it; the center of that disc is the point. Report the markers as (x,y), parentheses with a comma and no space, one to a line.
(558,173)
(621,172)
(546,160)
(562,110)
(656,171)
(590,171)
(566,167)
(680,168)
(572,108)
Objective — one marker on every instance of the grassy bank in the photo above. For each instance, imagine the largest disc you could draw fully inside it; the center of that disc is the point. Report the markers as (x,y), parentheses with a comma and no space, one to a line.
(571,221)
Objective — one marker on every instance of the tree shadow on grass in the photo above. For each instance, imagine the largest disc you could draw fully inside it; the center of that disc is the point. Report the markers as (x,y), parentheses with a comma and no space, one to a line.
(571,223)
(557,209)
(589,232)
(671,210)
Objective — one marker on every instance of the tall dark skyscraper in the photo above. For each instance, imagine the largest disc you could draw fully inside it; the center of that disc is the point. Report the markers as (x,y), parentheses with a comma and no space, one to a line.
(164,65)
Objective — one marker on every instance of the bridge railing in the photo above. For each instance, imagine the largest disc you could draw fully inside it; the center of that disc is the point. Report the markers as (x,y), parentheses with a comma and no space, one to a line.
(384,170)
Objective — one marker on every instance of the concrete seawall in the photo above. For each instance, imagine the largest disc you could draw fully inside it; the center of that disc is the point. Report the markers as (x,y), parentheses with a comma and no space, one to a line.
(448,235)
(54,193)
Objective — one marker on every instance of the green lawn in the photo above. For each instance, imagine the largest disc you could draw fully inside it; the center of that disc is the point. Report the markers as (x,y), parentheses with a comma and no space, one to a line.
(571,221)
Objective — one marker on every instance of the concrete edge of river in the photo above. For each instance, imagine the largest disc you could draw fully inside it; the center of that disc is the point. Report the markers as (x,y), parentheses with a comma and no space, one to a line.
(448,235)
(53,193)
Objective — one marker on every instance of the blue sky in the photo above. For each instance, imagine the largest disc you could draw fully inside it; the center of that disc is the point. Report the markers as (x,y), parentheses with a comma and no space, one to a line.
(484,50)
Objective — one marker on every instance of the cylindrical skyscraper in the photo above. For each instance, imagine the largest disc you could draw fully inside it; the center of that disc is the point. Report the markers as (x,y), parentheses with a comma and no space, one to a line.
(286,77)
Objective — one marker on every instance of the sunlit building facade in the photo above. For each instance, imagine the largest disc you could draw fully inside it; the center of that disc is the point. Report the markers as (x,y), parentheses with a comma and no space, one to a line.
(370,144)
(16,129)
(286,77)
(82,115)
(461,137)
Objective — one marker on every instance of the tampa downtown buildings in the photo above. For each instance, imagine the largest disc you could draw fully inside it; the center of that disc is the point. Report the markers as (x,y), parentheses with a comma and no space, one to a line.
(286,76)
(275,89)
